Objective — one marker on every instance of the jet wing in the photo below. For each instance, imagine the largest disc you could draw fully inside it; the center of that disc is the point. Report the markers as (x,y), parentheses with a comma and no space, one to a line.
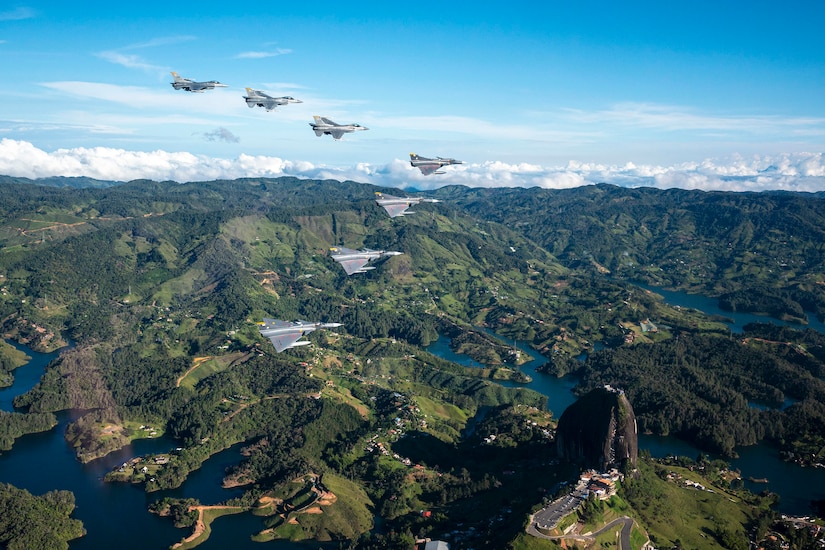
(286,340)
(268,104)
(354,266)
(428,169)
(395,209)
(337,134)
(198,86)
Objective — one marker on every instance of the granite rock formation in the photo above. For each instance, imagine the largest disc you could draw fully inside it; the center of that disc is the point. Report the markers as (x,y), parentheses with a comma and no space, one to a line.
(599,431)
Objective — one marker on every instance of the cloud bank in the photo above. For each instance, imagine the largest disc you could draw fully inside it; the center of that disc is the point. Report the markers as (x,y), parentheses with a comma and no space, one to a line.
(789,171)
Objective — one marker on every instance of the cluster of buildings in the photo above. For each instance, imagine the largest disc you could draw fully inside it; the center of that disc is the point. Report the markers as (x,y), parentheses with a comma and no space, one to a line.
(406,417)
(600,484)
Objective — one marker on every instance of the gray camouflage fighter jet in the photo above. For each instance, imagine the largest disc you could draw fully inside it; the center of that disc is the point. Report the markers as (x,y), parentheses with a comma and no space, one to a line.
(431,166)
(397,206)
(257,98)
(190,85)
(284,335)
(324,125)
(355,261)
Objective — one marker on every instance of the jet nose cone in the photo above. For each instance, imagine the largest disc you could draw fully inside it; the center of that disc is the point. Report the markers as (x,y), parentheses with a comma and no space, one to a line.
(333,325)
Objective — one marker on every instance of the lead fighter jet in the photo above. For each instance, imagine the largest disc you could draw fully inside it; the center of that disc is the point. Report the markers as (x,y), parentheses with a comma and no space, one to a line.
(355,261)
(190,85)
(431,166)
(397,206)
(257,98)
(284,335)
(324,125)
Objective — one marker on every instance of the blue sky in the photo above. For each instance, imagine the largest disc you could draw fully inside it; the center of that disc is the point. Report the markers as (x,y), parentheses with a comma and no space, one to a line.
(671,94)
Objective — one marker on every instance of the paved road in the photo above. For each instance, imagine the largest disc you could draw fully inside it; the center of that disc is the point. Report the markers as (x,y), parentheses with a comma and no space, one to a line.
(624,539)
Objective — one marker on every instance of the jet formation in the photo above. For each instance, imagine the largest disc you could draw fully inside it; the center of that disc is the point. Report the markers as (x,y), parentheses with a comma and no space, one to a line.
(190,85)
(397,206)
(257,98)
(431,166)
(285,335)
(323,126)
(355,261)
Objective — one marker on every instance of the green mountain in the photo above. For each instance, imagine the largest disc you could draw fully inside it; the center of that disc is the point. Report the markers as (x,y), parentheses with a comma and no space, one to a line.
(160,286)
(760,252)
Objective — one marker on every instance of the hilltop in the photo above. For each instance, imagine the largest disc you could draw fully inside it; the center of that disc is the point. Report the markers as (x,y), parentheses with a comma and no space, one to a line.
(160,286)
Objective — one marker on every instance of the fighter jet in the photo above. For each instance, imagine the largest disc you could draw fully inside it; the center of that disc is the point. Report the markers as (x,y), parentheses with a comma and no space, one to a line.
(431,166)
(257,98)
(284,335)
(190,85)
(397,206)
(355,261)
(324,125)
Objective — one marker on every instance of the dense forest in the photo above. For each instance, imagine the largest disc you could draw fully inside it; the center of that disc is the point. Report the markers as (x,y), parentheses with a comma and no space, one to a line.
(29,521)
(704,388)
(160,287)
(758,252)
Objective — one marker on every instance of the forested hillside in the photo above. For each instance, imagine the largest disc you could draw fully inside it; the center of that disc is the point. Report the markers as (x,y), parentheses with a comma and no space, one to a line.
(760,252)
(161,285)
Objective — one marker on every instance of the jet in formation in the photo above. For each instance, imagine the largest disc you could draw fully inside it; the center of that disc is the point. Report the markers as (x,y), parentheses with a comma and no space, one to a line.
(397,206)
(190,85)
(431,166)
(257,98)
(323,125)
(355,261)
(285,335)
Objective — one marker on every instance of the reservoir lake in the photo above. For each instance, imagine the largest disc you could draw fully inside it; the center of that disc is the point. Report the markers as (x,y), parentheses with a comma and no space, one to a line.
(116,513)
(795,485)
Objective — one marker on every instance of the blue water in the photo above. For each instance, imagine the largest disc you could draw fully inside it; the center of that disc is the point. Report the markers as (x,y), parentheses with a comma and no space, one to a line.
(116,514)
(710,306)
(441,348)
(25,377)
(559,391)
(762,407)
(796,486)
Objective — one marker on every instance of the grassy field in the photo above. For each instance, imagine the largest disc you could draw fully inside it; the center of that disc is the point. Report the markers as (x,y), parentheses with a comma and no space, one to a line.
(208,515)
(206,366)
(340,514)
(672,512)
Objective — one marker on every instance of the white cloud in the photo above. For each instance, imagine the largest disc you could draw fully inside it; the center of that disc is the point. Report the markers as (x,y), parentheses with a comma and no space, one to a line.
(263,54)
(221,134)
(791,172)
(153,99)
(17,14)
(674,118)
(133,61)
(130,61)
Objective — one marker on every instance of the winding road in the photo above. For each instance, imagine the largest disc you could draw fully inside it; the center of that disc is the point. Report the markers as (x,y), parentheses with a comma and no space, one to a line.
(624,539)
